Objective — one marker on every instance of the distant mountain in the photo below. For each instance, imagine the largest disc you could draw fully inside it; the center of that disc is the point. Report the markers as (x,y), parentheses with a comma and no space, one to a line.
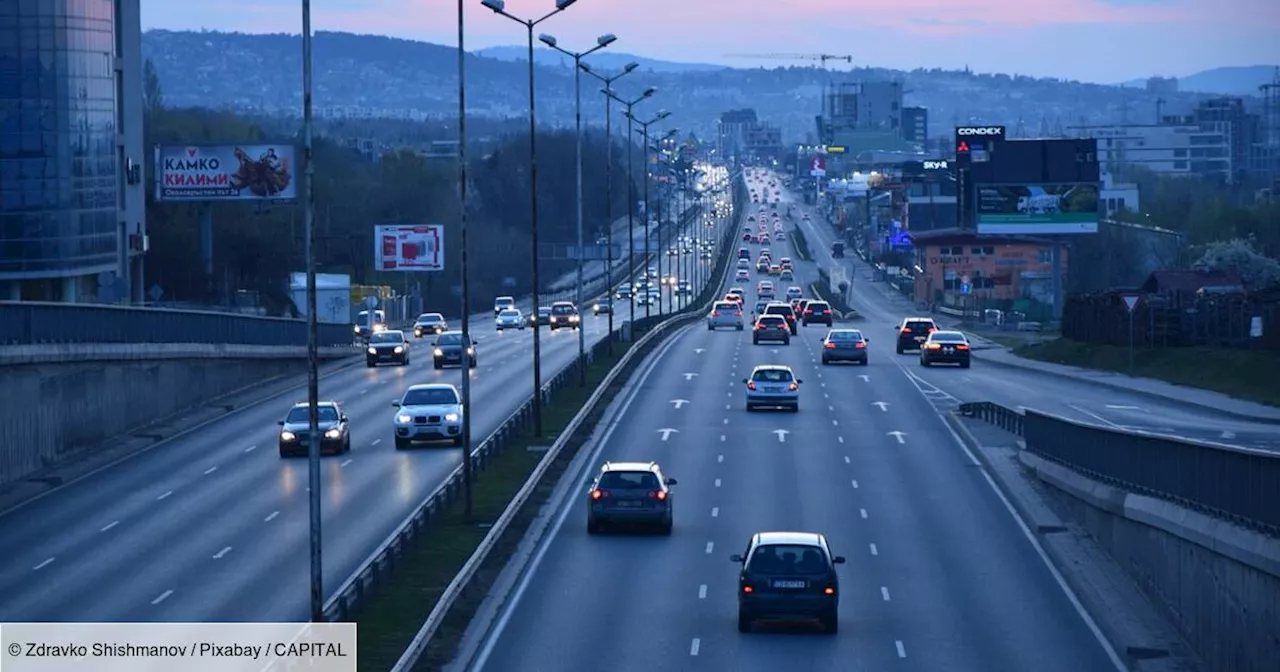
(607,60)
(1229,81)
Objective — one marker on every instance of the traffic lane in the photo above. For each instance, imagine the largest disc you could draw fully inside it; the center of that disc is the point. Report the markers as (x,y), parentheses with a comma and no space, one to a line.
(122,536)
(965,581)
(627,601)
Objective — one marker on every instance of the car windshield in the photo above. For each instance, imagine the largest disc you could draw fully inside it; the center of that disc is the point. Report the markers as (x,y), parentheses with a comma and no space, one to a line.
(640,480)
(772,376)
(298,414)
(843,336)
(387,337)
(449,339)
(430,318)
(509,313)
(563,310)
(363,316)
(431,396)
(947,337)
(787,559)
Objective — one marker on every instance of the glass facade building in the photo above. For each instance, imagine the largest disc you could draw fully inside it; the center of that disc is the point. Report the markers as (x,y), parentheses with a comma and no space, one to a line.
(61,176)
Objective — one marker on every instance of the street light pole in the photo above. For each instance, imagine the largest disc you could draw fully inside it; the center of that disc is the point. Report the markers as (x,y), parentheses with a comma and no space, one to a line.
(648,210)
(631,191)
(601,42)
(499,7)
(608,179)
(313,376)
(468,477)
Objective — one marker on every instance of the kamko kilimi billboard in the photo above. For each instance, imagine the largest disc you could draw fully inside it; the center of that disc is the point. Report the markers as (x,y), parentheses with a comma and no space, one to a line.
(1037,209)
(204,173)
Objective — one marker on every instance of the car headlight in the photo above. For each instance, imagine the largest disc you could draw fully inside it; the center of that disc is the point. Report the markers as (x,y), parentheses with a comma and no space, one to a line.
(403,418)
(573,318)
(356,329)
(373,351)
(471,351)
(399,349)
(333,434)
(450,417)
(438,352)
(596,307)
(287,436)
(379,327)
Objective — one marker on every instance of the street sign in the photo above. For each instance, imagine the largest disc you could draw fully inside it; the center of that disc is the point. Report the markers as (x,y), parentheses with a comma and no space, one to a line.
(818,167)
(966,288)
(1130,301)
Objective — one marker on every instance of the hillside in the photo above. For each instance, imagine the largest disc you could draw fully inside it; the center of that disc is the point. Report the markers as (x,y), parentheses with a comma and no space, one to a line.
(373,76)
(609,60)
(1230,81)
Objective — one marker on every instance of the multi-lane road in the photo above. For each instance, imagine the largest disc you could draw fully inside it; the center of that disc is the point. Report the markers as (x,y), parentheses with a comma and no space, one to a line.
(940,573)
(213,526)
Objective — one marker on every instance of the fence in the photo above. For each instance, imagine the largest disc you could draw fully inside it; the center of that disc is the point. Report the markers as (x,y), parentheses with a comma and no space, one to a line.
(1175,320)
(1234,483)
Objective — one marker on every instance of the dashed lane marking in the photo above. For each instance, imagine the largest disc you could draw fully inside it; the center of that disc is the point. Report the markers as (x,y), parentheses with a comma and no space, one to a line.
(717,482)
(109,525)
(346,462)
(902,651)
(220,554)
(711,545)
(841,440)
(46,563)
(862,512)
(855,484)
(163,596)
(693,648)
(702,592)
(271,517)
(376,442)
(874,550)
(884,592)
(165,495)
(210,470)
(250,449)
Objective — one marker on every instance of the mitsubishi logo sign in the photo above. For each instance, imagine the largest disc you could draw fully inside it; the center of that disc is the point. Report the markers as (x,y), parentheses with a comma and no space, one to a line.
(997,131)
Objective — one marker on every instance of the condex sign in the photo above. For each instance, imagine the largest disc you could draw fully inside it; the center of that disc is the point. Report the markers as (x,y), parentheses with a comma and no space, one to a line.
(976,130)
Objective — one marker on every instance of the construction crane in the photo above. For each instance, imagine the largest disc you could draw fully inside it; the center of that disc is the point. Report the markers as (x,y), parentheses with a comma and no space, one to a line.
(823,58)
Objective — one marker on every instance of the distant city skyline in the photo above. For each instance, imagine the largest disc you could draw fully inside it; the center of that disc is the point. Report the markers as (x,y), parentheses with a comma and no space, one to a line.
(1104,41)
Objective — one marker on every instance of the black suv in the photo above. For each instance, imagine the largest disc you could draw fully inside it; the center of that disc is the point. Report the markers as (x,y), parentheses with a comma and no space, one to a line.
(817,312)
(787,312)
(787,575)
(389,347)
(630,493)
(913,332)
(335,432)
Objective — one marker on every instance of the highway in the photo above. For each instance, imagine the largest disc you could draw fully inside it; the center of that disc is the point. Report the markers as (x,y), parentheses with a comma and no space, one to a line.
(940,574)
(1018,388)
(213,526)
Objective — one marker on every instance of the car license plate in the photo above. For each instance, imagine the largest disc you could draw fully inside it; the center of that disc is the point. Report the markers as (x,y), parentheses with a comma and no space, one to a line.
(628,505)
(920,339)
(789,584)
(948,350)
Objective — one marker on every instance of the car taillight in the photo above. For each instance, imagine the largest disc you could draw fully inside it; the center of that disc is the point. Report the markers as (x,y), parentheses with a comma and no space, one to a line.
(751,385)
(831,346)
(934,346)
(793,387)
(738,314)
(860,344)
(808,312)
(598,494)
(760,326)
(715,313)
(747,589)
(962,346)
(829,590)
(659,495)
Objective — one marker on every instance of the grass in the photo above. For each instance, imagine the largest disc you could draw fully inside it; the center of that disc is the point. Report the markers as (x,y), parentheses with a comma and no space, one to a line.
(390,620)
(1245,374)
(800,244)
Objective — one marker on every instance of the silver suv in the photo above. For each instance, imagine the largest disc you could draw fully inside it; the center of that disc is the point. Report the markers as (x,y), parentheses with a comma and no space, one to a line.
(725,314)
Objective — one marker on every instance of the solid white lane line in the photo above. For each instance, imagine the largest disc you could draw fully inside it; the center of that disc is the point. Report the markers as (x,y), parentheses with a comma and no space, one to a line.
(210,470)
(874,550)
(902,652)
(863,512)
(715,512)
(223,552)
(250,449)
(717,482)
(165,495)
(884,592)
(376,442)
(109,525)
(710,546)
(693,648)
(163,596)
(702,592)
(346,462)
(271,517)
(46,563)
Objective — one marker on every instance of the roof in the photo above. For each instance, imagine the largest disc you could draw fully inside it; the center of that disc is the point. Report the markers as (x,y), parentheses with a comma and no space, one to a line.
(917,319)
(318,403)
(433,386)
(772,367)
(800,538)
(1190,281)
(562,303)
(955,236)
(629,466)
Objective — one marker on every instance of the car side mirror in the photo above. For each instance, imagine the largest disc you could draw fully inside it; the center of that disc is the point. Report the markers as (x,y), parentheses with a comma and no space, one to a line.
(839,559)
(745,381)
(866,340)
(281,423)
(736,558)
(672,481)
(395,404)
(342,418)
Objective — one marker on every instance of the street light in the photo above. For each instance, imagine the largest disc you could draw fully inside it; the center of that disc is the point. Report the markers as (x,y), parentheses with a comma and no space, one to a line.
(631,192)
(313,357)
(499,7)
(644,131)
(608,179)
(601,42)
(668,291)
(468,477)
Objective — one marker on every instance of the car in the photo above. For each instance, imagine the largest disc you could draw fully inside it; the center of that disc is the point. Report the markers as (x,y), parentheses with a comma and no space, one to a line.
(725,314)
(794,292)
(817,312)
(684,288)
(540,318)
(602,307)
(624,293)
(509,319)
(387,347)
(772,328)
(775,270)
(368,324)
(785,311)
(428,412)
(503,303)
(335,431)
(787,275)
(800,305)
(744,264)
(913,332)
(744,253)
(762,266)
(760,306)
(448,350)
(764,286)
(780,236)
(738,295)
(772,386)
(653,272)
(748,237)
(946,347)
(429,323)
(742,275)
(844,345)
(786,263)
(788,575)
(630,493)
(564,315)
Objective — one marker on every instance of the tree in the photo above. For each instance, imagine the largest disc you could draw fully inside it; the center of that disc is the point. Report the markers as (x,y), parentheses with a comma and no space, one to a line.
(1257,271)
(152,93)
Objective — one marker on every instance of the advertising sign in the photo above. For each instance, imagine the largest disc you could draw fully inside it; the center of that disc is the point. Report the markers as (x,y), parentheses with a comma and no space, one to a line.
(408,247)
(817,166)
(225,173)
(1036,209)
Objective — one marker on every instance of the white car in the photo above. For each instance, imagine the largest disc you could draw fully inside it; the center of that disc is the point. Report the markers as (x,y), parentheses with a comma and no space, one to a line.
(726,314)
(742,276)
(430,412)
(511,318)
(773,386)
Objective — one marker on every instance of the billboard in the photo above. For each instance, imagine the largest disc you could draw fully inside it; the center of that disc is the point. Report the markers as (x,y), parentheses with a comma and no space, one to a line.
(225,173)
(408,247)
(1037,209)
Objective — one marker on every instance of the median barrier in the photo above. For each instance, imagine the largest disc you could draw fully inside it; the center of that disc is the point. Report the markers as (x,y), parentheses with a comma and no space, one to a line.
(382,562)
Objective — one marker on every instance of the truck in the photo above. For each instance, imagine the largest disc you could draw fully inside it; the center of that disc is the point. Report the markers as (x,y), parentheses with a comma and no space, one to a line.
(333,296)
(837,250)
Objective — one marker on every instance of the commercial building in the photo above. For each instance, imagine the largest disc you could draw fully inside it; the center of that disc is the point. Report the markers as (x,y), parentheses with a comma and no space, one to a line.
(866,116)
(960,268)
(72,199)
(915,126)
(1181,147)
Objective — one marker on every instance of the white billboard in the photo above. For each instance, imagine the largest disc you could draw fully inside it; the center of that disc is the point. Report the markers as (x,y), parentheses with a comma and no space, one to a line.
(408,247)
(226,173)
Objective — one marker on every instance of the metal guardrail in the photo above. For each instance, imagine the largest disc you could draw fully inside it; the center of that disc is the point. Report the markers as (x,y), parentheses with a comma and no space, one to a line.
(1231,482)
(365,581)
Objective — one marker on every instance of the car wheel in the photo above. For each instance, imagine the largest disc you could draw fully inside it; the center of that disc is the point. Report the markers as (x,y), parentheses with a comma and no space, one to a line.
(402,444)
(795,408)
(924,362)
(755,341)
(964,365)
(710,328)
(899,350)
(593,527)
(740,327)
(830,622)
(744,621)
(665,529)
(346,447)
(787,342)
(370,365)
(751,407)
(438,365)
(825,361)
(473,363)
(863,362)
(284,453)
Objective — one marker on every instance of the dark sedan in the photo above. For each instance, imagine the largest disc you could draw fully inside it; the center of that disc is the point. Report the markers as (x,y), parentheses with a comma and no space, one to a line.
(844,345)
(295,436)
(448,350)
(387,347)
(945,347)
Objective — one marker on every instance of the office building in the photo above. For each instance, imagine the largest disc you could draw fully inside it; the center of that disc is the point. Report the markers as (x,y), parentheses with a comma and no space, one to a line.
(72,199)
(865,116)
(732,128)
(915,126)
(1181,146)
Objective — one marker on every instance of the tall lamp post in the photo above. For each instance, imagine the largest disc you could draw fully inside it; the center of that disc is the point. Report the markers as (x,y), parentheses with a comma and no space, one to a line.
(601,42)
(608,180)
(313,377)
(468,477)
(629,106)
(499,7)
(644,130)
(668,289)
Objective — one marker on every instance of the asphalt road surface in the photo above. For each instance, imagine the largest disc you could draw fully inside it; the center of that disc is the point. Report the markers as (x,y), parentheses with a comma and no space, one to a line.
(213,526)
(940,574)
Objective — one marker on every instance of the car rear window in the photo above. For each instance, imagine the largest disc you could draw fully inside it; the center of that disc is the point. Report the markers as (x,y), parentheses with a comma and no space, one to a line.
(787,559)
(818,305)
(920,325)
(948,337)
(784,311)
(726,305)
(843,336)
(628,479)
(772,376)
(772,320)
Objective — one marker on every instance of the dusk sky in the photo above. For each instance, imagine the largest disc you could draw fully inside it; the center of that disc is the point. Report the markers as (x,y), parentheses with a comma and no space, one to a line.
(1091,40)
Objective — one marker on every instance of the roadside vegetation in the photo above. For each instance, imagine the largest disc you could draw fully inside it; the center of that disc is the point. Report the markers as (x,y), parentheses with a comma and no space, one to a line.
(800,244)
(822,289)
